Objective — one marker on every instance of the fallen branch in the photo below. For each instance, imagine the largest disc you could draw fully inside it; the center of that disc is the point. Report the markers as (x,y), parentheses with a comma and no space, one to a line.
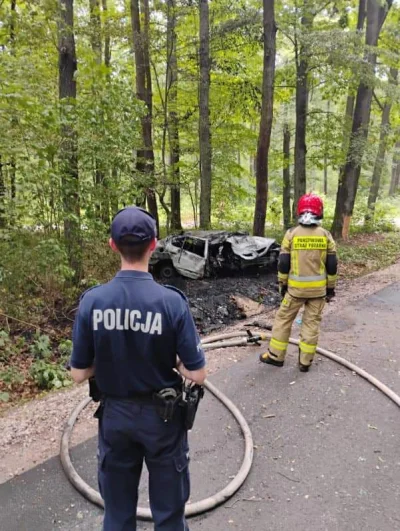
(20,321)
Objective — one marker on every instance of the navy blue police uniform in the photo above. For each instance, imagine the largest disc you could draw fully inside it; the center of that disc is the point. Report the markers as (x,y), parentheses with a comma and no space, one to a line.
(131,329)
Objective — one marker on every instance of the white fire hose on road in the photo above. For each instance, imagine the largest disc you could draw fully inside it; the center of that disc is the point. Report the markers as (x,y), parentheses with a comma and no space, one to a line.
(192,509)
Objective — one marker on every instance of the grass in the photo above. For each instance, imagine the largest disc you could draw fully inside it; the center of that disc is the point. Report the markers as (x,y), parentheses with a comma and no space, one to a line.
(365,253)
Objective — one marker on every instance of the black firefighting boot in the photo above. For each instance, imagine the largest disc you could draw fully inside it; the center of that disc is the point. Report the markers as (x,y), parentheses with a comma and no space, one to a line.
(266,358)
(303,368)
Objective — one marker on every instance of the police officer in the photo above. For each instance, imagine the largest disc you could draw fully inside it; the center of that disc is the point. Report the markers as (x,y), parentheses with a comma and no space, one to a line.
(134,335)
(307,277)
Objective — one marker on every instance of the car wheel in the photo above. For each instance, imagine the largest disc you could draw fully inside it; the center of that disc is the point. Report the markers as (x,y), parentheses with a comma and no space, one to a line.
(166,271)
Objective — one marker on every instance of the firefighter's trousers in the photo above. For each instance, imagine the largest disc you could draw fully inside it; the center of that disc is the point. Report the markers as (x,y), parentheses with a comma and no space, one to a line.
(309,333)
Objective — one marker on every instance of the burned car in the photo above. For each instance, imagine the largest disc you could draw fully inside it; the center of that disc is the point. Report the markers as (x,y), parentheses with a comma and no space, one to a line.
(200,254)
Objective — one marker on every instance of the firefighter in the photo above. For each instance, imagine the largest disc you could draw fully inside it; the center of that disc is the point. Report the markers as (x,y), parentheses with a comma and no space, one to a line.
(307,277)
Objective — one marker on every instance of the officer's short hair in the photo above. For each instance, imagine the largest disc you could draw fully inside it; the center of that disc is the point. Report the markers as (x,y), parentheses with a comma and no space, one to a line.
(132,248)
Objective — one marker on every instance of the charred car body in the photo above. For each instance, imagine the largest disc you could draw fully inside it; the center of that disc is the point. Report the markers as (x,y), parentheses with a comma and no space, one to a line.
(201,254)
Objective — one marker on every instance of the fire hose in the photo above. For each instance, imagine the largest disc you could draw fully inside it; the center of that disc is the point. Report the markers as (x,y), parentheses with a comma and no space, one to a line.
(192,509)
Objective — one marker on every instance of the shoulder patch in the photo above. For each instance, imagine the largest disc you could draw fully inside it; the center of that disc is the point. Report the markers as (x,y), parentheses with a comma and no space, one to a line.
(173,288)
(87,291)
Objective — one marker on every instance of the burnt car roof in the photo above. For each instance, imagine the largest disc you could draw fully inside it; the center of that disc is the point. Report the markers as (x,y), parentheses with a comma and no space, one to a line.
(214,236)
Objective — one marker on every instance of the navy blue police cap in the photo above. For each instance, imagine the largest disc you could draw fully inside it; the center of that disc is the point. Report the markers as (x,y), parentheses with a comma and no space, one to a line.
(133,225)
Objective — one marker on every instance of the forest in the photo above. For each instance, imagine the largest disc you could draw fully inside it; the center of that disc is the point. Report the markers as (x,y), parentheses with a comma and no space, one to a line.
(210,113)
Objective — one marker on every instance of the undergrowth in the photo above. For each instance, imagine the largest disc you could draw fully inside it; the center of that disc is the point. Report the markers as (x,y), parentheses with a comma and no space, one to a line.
(366,253)
(38,303)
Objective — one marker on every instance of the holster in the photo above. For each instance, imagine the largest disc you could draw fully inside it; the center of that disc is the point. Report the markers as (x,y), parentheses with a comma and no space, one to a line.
(98,414)
(193,395)
(167,401)
(94,391)
(96,396)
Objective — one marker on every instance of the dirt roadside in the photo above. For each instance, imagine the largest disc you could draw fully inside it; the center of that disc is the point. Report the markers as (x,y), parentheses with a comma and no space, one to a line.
(30,433)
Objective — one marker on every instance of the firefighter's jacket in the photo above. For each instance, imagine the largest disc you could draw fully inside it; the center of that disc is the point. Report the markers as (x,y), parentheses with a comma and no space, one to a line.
(307,262)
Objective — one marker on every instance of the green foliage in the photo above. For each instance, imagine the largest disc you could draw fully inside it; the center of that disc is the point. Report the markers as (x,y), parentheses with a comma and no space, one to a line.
(41,347)
(6,346)
(65,348)
(49,375)
(11,376)
(275,211)
(372,255)
(386,211)
(33,271)
(4,397)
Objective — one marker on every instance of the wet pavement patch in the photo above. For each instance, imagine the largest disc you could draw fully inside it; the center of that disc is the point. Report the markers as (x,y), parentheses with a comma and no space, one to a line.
(389,295)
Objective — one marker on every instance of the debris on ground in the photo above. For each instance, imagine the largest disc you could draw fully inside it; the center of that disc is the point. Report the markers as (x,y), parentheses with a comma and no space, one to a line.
(218,302)
(248,306)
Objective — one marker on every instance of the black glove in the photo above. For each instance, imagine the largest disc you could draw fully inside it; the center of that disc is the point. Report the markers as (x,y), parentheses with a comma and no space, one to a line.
(330,294)
(282,290)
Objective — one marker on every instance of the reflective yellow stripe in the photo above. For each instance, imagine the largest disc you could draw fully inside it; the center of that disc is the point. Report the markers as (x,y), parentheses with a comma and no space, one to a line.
(322,268)
(307,349)
(310,243)
(332,278)
(295,262)
(282,276)
(279,345)
(307,278)
(307,284)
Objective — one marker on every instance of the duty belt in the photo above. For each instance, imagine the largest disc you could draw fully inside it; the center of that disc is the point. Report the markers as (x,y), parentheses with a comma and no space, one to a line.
(166,401)
(140,398)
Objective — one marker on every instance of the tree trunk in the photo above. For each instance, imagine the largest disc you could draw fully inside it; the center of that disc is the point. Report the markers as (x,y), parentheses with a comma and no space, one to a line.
(350,173)
(101,195)
(251,165)
(114,195)
(68,153)
(145,155)
(395,170)
(286,176)
(13,171)
(13,163)
(173,125)
(95,30)
(204,119)
(107,37)
(397,175)
(328,106)
(348,118)
(302,91)
(108,177)
(267,111)
(380,157)
(3,219)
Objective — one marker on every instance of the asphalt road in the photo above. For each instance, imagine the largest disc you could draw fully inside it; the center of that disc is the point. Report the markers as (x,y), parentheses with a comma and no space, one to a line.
(328,460)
